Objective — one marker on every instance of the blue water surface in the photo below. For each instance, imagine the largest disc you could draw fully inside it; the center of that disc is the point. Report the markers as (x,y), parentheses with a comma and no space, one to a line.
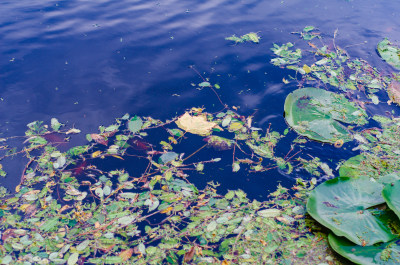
(89,62)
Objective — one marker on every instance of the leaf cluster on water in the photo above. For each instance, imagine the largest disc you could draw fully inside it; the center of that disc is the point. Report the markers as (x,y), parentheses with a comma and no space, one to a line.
(68,210)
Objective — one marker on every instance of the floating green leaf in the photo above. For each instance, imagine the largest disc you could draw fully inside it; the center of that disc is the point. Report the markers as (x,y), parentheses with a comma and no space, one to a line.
(389,52)
(384,253)
(135,124)
(249,37)
(344,205)
(351,168)
(317,114)
(168,157)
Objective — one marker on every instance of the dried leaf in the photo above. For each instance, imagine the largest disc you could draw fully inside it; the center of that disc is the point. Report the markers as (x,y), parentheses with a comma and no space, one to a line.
(96,154)
(72,131)
(394,92)
(189,255)
(99,139)
(126,254)
(195,124)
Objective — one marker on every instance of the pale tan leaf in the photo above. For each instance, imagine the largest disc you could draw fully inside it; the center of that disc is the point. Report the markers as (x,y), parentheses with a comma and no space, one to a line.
(195,124)
(394,92)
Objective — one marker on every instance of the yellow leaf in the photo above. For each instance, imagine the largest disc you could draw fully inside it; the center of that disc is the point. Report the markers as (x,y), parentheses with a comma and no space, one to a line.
(195,124)
(49,184)
(306,68)
(285,81)
(96,154)
(197,110)
(18,188)
(235,126)
(24,206)
(167,210)
(118,157)
(65,207)
(201,196)
(225,262)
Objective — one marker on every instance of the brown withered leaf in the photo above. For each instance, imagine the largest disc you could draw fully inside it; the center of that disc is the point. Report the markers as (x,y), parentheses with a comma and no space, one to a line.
(109,134)
(100,139)
(189,255)
(9,233)
(394,92)
(126,254)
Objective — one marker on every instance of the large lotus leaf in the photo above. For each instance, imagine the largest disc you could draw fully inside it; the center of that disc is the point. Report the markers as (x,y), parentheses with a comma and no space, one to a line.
(389,178)
(389,53)
(391,194)
(384,253)
(343,205)
(318,114)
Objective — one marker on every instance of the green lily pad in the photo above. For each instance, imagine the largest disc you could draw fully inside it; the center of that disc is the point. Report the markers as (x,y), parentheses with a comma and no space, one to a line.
(318,114)
(352,166)
(344,206)
(391,194)
(389,53)
(384,254)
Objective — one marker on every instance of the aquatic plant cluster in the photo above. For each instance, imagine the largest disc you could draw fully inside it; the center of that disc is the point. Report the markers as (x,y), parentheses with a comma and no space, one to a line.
(68,210)
(71,209)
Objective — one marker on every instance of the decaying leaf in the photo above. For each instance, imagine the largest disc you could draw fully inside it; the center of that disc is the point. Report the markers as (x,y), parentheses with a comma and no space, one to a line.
(126,254)
(190,254)
(195,124)
(394,92)
(100,139)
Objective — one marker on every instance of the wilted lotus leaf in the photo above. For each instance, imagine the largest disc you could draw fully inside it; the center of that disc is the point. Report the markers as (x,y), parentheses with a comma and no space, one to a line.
(317,114)
(389,53)
(384,254)
(344,206)
(195,124)
(394,92)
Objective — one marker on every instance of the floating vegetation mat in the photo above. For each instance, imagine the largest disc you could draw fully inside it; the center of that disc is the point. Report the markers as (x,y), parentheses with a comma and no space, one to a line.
(68,209)
(129,196)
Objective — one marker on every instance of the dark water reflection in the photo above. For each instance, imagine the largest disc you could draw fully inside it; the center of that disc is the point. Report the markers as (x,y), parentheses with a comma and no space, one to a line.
(87,62)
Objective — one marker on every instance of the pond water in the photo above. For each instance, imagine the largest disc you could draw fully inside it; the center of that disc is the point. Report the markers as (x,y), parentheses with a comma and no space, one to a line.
(88,62)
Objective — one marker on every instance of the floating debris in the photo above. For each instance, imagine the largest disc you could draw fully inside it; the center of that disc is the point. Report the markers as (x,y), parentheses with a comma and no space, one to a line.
(249,37)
